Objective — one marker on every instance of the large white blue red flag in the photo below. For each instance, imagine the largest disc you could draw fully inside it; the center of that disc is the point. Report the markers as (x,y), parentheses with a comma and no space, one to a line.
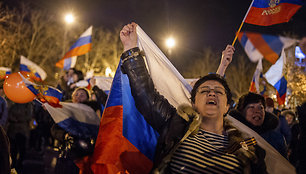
(4,71)
(126,142)
(276,78)
(35,72)
(270,12)
(80,47)
(258,46)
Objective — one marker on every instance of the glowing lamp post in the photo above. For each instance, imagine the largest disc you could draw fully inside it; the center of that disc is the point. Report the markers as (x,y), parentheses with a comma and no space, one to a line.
(170,43)
(69,19)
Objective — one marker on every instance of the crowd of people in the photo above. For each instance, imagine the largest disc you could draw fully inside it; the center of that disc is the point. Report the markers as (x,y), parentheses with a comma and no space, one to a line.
(194,138)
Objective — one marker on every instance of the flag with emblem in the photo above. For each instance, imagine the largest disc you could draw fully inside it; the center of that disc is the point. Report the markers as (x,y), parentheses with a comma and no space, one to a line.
(270,12)
(44,93)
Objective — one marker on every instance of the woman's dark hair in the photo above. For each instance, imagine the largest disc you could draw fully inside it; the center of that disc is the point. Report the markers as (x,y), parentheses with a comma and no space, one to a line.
(250,98)
(79,74)
(215,77)
(84,89)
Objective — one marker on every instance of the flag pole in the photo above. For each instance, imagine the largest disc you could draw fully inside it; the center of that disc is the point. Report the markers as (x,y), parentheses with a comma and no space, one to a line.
(242,23)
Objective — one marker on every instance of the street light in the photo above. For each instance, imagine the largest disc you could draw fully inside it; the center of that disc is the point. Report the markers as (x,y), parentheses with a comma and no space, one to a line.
(69,18)
(170,43)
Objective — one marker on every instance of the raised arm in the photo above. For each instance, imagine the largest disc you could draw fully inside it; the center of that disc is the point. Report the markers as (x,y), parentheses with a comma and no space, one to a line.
(153,106)
(227,56)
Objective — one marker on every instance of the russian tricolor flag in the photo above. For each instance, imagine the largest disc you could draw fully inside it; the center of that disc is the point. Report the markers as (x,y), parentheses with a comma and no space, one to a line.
(80,47)
(270,12)
(276,78)
(126,142)
(44,93)
(254,87)
(258,46)
(35,71)
(4,71)
(125,138)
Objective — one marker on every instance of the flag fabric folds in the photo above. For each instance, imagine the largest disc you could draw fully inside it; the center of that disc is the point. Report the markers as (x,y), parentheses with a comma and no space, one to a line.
(4,71)
(276,78)
(125,141)
(76,118)
(254,87)
(258,46)
(44,93)
(270,12)
(35,71)
(80,47)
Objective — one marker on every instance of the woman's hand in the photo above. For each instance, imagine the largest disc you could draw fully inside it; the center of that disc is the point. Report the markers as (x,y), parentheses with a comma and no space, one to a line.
(128,36)
(227,56)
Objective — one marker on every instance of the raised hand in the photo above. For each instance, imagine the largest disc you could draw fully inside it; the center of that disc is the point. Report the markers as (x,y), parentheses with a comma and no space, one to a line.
(128,36)
(227,56)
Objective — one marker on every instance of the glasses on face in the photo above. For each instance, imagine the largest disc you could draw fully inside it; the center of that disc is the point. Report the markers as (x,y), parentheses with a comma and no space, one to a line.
(255,106)
(206,90)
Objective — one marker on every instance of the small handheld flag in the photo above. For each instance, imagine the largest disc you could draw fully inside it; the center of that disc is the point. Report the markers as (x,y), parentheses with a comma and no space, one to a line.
(270,12)
(258,46)
(276,78)
(80,47)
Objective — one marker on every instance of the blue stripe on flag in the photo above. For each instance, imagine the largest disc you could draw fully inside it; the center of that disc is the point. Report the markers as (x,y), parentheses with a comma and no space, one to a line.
(274,43)
(265,3)
(67,63)
(135,128)
(281,86)
(78,128)
(81,41)
(244,39)
(24,68)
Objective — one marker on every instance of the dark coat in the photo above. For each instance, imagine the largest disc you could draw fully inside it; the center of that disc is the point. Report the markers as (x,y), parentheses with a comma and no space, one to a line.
(266,130)
(171,124)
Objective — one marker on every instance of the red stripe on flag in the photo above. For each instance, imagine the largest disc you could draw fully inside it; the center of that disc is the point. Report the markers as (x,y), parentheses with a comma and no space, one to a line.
(60,63)
(281,99)
(262,46)
(272,15)
(78,51)
(113,152)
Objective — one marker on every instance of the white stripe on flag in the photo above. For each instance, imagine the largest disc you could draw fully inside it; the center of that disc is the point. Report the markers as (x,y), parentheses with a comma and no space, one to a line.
(275,73)
(167,80)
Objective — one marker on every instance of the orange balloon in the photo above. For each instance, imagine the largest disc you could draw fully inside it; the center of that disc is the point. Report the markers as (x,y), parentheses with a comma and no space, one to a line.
(15,89)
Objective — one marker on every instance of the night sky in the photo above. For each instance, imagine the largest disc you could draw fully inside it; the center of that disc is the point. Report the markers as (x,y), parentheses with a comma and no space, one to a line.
(195,24)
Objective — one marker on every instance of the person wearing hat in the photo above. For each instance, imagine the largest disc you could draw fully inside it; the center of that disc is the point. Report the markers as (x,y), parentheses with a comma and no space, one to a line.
(251,112)
(196,138)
